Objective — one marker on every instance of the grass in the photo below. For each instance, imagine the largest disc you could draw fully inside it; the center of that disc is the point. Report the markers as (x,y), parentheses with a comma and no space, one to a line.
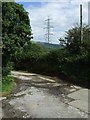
(6,87)
(0,86)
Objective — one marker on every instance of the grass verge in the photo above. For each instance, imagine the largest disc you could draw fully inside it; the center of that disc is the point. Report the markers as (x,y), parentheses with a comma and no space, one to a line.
(6,87)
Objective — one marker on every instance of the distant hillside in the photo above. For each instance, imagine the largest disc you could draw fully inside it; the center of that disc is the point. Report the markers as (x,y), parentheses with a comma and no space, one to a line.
(50,45)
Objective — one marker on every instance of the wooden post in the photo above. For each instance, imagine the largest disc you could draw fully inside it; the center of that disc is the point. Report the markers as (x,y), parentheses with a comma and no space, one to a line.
(81,28)
(89,13)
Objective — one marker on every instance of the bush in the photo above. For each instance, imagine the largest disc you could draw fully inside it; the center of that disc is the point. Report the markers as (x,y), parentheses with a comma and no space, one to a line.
(30,55)
(6,70)
(56,62)
(7,79)
(16,32)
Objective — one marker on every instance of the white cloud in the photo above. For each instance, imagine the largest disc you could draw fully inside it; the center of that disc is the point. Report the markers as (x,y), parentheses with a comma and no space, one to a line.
(78,1)
(64,16)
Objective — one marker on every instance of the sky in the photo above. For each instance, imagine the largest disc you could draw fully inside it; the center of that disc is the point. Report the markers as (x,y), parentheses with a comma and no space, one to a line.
(64,14)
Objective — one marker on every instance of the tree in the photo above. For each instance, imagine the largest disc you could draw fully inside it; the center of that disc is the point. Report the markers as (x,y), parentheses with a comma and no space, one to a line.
(73,38)
(16,30)
(62,41)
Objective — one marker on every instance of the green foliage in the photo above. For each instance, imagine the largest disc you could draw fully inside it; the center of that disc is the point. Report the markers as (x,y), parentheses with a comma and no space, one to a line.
(62,41)
(31,51)
(15,20)
(29,56)
(7,79)
(7,69)
(74,43)
(32,57)
(56,62)
(7,84)
(34,50)
(16,32)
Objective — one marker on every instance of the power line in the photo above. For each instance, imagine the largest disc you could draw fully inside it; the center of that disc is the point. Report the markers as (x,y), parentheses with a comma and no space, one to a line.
(48,29)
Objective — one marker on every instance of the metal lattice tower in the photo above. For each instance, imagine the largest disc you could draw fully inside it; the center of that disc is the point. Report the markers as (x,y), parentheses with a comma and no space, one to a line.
(48,29)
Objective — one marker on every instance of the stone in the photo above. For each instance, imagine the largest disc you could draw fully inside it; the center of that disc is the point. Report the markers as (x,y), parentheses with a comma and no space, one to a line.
(72,90)
(2,98)
(50,80)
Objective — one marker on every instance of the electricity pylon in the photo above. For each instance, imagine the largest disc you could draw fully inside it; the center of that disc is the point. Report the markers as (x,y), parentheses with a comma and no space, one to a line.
(48,29)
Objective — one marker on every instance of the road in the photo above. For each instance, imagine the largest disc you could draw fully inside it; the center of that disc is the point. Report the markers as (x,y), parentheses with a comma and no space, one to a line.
(38,96)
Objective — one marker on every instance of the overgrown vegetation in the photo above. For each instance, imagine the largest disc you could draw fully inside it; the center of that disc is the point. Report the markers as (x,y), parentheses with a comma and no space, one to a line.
(16,32)
(70,62)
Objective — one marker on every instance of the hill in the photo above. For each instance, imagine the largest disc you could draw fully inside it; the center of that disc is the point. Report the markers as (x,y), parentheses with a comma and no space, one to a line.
(50,45)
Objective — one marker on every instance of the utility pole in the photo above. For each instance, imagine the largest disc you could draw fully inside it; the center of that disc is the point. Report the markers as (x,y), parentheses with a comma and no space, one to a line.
(89,20)
(89,13)
(81,27)
(48,29)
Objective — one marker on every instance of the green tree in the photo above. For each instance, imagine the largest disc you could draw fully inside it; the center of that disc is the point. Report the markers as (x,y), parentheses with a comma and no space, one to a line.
(62,41)
(16,31)
(73,38)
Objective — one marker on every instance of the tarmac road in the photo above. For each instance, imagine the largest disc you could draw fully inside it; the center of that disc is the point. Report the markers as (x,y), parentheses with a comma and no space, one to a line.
(37,96)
